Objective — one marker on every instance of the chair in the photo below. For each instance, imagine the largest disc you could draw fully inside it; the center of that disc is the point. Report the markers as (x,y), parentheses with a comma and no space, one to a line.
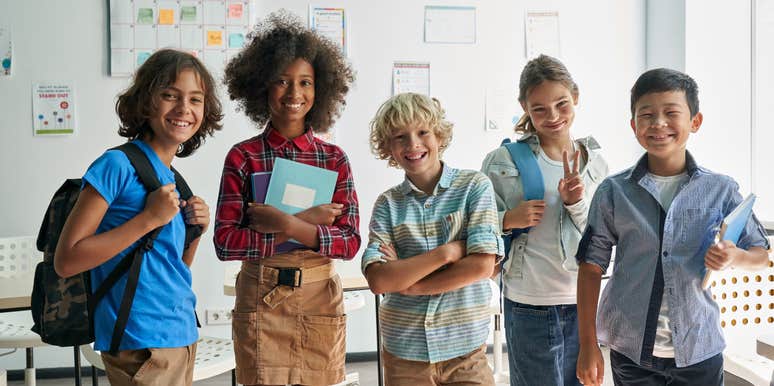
(18,257)
(501,376)
(746,302)
(213,356)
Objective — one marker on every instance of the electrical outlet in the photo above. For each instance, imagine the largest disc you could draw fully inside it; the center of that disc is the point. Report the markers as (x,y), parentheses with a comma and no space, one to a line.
(218,316)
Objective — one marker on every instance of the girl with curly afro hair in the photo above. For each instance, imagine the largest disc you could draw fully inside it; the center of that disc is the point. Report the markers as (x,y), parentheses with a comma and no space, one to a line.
(289,321)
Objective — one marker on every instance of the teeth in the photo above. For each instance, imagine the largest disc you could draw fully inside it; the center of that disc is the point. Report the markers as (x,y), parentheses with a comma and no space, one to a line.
(179,123)
(293,105)
(415,156)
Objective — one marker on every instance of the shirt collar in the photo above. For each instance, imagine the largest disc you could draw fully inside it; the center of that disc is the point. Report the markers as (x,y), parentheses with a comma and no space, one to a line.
(276,140)
(641,168)
(447,176)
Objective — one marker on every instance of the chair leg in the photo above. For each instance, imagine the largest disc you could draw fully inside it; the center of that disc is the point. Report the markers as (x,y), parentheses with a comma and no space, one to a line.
(94,380)
(77,364)
(233,377)
(29,370)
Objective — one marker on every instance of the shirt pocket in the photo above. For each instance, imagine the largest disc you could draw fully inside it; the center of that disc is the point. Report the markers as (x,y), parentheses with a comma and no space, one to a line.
(697,228)
(506,182)
(452,226)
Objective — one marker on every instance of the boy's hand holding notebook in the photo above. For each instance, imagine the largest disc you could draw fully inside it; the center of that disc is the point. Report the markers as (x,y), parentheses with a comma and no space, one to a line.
(731,228)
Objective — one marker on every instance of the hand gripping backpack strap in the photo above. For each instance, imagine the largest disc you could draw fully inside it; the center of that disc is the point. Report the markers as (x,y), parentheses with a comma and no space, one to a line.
(192,232)
(531,181)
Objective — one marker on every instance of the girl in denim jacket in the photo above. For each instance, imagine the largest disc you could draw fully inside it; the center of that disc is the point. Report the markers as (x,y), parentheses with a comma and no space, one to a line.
(540,273)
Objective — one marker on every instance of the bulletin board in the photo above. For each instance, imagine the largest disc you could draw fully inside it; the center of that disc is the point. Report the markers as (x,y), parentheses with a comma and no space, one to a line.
(212,30)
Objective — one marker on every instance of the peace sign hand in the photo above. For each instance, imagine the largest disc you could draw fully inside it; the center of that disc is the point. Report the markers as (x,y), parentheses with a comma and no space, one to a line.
(571,186)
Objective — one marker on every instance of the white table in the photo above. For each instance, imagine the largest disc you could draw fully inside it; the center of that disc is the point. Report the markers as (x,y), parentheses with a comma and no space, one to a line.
(765,346)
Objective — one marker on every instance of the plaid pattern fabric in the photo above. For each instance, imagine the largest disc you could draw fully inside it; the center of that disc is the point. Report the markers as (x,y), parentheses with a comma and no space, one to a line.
(235,241)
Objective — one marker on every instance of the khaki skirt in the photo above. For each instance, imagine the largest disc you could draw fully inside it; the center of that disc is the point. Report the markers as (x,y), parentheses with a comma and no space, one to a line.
(288,321)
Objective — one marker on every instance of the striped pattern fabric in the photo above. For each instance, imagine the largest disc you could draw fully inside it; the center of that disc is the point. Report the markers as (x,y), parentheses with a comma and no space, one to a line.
(235,241)
(438,327)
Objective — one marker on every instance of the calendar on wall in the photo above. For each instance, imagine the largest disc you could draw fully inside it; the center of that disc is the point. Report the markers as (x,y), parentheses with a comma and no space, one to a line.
(212,30)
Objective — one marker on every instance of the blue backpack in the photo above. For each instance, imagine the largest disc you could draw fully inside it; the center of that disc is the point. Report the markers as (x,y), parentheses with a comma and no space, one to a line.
(531,181)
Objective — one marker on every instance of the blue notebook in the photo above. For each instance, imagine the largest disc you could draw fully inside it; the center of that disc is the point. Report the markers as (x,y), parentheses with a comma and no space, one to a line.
(731,229)
(294,186)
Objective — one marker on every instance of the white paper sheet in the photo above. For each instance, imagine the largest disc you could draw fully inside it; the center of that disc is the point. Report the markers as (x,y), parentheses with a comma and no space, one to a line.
(450,24)
(542,34)
(331,23)
(411,77)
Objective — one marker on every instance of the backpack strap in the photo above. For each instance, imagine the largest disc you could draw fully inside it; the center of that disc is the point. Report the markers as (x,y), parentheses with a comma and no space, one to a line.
(192,232)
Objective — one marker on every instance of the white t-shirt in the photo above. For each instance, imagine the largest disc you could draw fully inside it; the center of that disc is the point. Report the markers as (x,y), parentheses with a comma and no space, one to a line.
(544,281)
(667,189)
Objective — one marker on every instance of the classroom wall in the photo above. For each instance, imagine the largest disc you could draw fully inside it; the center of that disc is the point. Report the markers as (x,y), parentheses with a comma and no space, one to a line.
(603,43)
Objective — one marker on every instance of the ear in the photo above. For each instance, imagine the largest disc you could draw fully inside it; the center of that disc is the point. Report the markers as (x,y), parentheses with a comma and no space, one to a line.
(634,127)
(696,122)
(575,98)
(524,107)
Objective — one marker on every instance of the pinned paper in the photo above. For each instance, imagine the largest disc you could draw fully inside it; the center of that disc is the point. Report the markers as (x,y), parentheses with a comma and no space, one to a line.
(145,16)
(166,16)
(236,40)
(188,13)
(235,11)
(142,57)
(214,38)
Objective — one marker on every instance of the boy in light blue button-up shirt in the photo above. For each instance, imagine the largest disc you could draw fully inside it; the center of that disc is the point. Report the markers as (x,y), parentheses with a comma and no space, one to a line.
(433,242)
(661,216)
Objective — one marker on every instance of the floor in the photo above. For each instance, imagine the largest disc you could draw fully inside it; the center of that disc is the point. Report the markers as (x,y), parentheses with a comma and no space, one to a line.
(366,373)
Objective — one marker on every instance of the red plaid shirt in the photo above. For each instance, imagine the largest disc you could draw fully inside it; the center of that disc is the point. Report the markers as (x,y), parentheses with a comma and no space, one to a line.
(235,241)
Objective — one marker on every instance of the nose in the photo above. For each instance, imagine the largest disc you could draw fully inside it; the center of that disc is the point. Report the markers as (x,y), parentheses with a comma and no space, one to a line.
(182,106)
(552,114)
(659,121)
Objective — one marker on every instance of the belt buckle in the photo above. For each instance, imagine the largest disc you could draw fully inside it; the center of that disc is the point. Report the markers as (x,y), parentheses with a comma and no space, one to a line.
(287,277)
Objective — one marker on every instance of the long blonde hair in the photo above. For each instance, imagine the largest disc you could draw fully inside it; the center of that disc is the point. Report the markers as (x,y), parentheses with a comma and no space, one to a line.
(538,70)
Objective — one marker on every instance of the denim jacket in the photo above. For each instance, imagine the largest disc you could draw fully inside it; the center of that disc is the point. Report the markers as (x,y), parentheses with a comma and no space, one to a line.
(499,167)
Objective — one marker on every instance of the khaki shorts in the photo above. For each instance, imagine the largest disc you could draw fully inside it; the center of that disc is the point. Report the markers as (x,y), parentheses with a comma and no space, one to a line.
(468,369)
(289,335)
(151,366)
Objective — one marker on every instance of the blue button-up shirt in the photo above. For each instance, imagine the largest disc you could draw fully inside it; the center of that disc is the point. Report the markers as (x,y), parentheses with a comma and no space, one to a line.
(625,213)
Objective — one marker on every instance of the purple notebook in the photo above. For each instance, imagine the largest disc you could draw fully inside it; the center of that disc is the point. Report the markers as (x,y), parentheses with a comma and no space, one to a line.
(260,184)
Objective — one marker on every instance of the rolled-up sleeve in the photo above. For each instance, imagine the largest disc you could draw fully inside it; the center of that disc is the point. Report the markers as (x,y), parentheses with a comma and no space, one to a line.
(596,245)
(380,233)
(483,230)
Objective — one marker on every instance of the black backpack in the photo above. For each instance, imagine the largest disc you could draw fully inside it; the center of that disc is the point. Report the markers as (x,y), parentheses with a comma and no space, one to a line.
(63,308)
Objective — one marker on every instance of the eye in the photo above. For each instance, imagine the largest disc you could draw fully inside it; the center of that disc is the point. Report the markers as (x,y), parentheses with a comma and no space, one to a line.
(673,113)
(197,100)
(538,110)
(645,116)
(282,82)
(306,83)
(167,96)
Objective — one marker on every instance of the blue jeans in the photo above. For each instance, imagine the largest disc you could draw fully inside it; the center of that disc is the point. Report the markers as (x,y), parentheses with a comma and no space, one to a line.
(542,344)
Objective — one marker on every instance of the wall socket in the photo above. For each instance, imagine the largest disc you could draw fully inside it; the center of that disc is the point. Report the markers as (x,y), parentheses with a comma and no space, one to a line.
(218,316)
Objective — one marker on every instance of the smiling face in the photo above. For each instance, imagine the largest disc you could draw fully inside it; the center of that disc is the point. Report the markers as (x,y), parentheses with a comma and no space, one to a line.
(662,124)
(551,107)
(291,97)
(179,111)
(415,149)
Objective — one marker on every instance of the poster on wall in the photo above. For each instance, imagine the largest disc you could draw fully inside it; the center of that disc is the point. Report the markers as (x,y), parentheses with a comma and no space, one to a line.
(411,77)
(6,52)
(53,109)
(212,30)
(500,106)
(331,23)
(446,24)
(541,34)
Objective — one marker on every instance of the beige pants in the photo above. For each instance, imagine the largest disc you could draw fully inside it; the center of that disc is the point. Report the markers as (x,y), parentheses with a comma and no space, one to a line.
(469,369)
(289,335)
(151,367)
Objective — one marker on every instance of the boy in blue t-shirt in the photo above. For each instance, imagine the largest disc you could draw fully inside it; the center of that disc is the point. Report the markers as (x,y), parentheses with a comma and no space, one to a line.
(659,323)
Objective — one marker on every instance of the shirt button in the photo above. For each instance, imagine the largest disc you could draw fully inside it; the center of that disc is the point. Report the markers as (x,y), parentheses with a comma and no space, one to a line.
(665,254)
(427,205)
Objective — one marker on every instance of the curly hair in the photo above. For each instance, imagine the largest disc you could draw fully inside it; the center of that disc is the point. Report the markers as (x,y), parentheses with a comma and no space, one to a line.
(137,104)
(275,43)
(404,110)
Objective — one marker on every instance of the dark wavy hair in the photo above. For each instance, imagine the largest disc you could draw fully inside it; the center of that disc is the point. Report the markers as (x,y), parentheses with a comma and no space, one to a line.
(137,104)
(275,43)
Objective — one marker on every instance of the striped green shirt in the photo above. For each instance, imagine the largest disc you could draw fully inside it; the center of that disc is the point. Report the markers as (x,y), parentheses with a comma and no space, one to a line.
(436,328)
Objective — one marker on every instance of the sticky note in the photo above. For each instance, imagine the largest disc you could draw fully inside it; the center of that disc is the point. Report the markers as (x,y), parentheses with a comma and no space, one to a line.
(145,16)
(236,40)
(298,196)
(188,13)
(166,16)
(142,57)
(214,38)
(235,11)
